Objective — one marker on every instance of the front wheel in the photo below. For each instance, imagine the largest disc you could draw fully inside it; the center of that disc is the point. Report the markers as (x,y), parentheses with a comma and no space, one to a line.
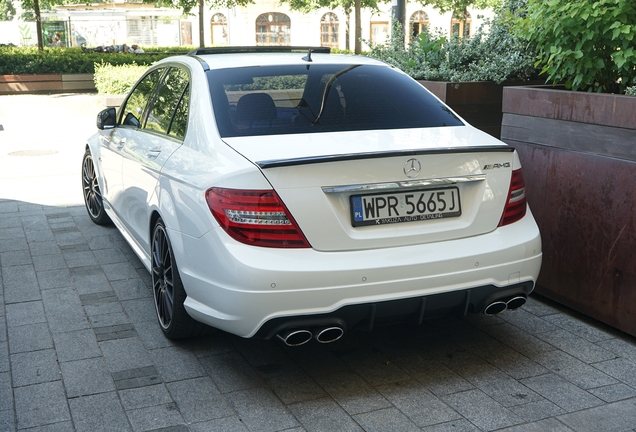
(92,193)
(168,290)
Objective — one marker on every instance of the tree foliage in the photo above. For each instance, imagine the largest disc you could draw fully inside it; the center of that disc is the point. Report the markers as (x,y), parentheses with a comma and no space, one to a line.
(459,7)
(586,44)
(7,10)
(28,13)
(347,5)
(187,5)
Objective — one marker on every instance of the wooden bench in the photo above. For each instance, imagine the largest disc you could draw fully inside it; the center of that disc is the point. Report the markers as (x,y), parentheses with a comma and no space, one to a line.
(46,83)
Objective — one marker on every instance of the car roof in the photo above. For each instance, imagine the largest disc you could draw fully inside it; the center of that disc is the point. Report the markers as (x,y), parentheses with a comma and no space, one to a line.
(231,57)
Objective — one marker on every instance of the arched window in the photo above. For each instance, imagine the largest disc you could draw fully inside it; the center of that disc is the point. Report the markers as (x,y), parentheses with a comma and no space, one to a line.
(273,28)
(418,24)
(379,30)
(329,27)
(218,27)
(461,27)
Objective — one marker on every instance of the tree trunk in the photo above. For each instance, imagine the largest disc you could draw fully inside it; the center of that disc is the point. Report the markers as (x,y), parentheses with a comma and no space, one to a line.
(358,32)
(201,32)
(347,32)
(464,20)
(38,24)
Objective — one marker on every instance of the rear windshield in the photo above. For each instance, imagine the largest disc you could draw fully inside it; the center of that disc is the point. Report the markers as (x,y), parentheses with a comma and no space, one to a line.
(274,100)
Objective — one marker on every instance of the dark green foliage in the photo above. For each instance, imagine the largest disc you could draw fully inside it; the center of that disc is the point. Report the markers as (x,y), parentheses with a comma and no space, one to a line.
(494,55)
(586,44)
(14,60)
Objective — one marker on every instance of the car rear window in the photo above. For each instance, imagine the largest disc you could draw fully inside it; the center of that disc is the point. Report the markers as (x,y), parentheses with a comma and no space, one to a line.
(271,100)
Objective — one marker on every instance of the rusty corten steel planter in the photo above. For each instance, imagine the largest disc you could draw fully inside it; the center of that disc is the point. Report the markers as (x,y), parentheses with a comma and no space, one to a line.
(578,152)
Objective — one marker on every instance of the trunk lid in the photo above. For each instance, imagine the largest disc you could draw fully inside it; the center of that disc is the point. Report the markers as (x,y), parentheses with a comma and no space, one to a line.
(380,189)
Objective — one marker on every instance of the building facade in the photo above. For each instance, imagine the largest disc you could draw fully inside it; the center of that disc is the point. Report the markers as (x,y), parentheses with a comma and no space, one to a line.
(267,22)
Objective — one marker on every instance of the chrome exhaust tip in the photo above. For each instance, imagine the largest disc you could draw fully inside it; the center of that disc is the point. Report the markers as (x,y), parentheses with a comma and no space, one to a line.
(495,307)
(516,302)
(295,337)
(329,334)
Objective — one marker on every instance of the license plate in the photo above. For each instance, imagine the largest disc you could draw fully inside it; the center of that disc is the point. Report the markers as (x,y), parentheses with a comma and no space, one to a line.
(411,206)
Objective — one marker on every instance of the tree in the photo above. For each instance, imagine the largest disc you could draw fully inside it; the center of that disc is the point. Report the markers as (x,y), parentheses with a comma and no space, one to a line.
(31,12)
(7,11)
(459,8)
(187,5)
(309,5)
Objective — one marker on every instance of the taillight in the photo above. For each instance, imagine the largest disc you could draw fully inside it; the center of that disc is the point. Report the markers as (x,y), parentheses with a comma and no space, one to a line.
(255,217)
(516,203)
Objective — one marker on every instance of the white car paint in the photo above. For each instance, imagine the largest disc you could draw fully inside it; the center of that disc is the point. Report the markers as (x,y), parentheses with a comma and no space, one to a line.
(239,288)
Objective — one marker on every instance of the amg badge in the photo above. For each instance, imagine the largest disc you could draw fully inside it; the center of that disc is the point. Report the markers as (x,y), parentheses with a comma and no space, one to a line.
(497,165)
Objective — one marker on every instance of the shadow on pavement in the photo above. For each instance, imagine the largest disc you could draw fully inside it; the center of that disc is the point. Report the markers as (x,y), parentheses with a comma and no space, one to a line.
(81,350)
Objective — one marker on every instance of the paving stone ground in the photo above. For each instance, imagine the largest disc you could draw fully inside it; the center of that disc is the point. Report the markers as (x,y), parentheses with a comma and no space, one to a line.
(80,349)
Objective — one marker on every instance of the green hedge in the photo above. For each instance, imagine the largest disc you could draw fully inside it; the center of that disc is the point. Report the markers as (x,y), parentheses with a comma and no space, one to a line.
(21,60)
(116,80)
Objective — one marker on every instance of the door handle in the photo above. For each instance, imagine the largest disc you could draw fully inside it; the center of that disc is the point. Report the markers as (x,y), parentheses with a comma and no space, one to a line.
(121,143)
(154,152)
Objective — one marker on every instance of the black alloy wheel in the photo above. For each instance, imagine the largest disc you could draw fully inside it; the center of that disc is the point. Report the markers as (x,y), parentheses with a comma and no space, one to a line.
(92,193)
(168,290)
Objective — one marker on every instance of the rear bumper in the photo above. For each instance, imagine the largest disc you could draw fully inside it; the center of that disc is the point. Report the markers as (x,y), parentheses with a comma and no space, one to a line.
(251,291)
(414,310)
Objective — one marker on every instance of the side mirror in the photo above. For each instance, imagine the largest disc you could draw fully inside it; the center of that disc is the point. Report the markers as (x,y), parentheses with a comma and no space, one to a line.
(106,119)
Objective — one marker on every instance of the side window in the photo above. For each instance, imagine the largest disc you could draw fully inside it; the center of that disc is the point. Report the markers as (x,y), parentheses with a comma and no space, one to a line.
(180,121)
(169,104)
(136,104)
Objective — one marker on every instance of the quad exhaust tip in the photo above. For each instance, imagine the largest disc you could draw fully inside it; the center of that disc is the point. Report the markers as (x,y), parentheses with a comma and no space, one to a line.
(499,306)
(329,334)
(297,337)
(495,308)
(516,302)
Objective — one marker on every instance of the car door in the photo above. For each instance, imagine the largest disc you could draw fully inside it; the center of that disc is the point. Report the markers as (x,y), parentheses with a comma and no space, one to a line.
(159,137)
(125,134)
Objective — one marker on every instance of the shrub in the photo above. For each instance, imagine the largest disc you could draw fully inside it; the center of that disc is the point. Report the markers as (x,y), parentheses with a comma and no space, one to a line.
(116,80)
(28,60)
(586,44)
(494,53)
(630,91)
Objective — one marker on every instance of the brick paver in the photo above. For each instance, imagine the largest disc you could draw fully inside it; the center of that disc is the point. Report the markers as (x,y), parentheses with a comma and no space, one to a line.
(80,348)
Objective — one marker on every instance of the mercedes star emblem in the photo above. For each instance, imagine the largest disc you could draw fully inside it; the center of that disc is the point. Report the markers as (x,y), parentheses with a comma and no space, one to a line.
(412,168)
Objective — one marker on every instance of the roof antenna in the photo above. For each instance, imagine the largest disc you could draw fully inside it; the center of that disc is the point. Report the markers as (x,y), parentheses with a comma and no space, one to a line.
(307,58)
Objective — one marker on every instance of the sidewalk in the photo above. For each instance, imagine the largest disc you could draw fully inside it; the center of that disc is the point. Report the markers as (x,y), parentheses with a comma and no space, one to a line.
(80,349)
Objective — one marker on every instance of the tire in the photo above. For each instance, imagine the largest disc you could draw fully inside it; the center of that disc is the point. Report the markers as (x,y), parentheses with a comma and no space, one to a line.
(92,193)
(168,291)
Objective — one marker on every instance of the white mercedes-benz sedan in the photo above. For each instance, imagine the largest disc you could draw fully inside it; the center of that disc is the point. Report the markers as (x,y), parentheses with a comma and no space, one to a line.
(278,193)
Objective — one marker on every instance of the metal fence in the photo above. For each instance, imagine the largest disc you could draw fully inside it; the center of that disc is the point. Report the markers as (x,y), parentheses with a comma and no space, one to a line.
(143,31)
(146,31)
